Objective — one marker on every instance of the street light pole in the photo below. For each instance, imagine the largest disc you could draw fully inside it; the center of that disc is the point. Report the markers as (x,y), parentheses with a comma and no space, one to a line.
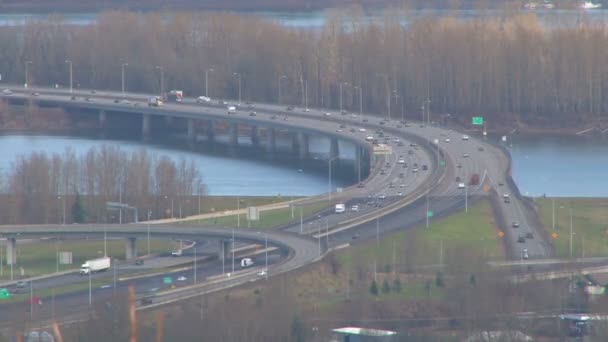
(27,75)
(266,253)
(280,78)
(233,251)
(148,238)
(195,265)
(162,80)
(207,81)
(306,95)
(239,77)
(122,69)
(360,99)
(329,178)
(70,63)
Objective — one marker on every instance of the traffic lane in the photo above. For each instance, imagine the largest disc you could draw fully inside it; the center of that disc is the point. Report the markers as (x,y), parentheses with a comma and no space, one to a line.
(75,302)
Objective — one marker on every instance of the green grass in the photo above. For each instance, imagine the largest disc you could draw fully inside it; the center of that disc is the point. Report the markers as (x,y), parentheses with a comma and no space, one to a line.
(38,258)
(268,219)
(590,225)
(212,204)
(475,231)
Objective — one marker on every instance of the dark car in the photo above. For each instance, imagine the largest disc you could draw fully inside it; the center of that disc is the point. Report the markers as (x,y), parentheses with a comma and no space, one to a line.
(425,167)
(529,235)
(139,262)
(521,239)
(515,224)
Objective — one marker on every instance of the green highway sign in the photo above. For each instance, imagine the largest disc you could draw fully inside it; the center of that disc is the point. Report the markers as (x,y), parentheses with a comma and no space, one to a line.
(4,294)
(477,120)
(167,280)
(429,213)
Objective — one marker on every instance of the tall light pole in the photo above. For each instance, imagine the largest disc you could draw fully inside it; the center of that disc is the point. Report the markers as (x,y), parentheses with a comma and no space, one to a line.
(63,215)
(396,95)
(232,251)
(428,111)
(329,178)
(195,265)
(162,80)
(27,75)
(360,99)
(306,95)
(122,69)
(238,75)
(280,79)
(341,84)
(207,81)
(70,63)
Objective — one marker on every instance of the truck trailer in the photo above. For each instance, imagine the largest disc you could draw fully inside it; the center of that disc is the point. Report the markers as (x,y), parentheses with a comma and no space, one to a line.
(95,265)
(175,95)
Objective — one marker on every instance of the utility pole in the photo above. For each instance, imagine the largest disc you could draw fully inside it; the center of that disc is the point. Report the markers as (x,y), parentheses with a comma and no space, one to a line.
(553,214)
(233,251)
(70,63)
(301,222)
(306,95)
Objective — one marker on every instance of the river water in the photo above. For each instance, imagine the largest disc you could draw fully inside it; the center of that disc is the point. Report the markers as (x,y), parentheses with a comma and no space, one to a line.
(244,174)
(316,19)
(561,167)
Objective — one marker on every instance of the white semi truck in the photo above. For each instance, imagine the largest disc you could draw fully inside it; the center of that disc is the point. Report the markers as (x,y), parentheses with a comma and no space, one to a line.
(155,101)
(95,265)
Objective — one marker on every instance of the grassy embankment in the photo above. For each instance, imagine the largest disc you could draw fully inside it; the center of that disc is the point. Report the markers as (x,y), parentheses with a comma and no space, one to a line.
(38,258)
(268,219)
(590,225)
(468,238)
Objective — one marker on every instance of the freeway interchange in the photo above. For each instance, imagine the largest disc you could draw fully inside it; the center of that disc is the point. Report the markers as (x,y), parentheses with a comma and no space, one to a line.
(418,176)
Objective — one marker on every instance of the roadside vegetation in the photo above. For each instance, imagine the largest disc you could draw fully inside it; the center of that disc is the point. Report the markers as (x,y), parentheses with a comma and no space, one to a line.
(268,219)
(589,225)
(513,63)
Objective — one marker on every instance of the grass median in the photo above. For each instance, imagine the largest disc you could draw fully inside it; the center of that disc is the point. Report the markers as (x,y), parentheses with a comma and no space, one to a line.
(589,225)
(40,257)
(475,232)
(268,219)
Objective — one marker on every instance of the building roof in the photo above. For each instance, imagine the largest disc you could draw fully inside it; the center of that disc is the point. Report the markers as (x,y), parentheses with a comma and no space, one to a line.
(363,331)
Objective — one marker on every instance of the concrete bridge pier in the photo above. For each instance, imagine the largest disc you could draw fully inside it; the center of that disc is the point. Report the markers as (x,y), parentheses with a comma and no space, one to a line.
(191,130)
(233,133)
(11,251)
(145,126)
(255,139)
(295,142)
(224,250)
(334,148)
(270,140)
(102,119)
(303,141)
(131,248)
(210,131)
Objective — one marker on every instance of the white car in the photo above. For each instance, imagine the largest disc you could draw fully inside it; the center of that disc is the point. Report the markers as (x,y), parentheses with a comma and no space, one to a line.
(460,185)
(465,137)
(369,138)
(203,99)
(361,130)
(327,114)
(524,254)
(181,278)
(354,208)
(262,273)
(7,92)
(447,140)
(401,161)
(465,155)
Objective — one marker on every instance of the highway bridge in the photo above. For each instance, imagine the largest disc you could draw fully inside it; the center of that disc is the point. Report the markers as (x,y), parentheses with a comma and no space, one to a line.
(413,175)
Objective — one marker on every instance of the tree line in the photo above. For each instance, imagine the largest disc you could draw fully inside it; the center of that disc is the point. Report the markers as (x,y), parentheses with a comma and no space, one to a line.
(68,187)
(492,66)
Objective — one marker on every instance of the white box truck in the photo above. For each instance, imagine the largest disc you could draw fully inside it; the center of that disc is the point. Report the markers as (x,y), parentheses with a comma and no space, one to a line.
(95,265)
(340,208)
(246,262)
